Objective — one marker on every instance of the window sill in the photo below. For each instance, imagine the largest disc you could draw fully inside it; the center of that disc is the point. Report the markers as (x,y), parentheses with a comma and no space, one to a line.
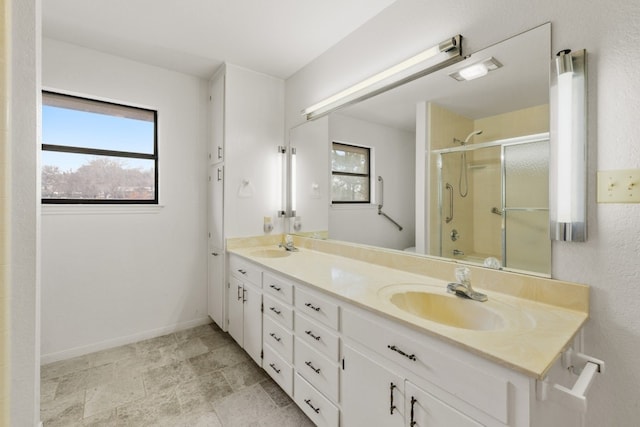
(50,209)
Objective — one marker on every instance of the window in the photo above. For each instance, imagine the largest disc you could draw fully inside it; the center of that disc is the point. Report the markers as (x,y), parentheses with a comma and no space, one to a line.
(350,176)
(97,152)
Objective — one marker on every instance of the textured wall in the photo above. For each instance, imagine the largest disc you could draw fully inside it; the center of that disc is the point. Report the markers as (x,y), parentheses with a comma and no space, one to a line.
(608,261)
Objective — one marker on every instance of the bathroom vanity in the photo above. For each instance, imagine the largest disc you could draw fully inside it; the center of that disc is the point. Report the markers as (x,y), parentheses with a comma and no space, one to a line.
(364,336)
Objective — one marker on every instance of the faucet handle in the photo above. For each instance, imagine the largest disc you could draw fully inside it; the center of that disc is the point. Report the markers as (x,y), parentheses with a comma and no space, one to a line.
(463,275)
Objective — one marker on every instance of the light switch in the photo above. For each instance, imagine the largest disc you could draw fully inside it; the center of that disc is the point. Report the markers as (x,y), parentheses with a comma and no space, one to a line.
(620,186)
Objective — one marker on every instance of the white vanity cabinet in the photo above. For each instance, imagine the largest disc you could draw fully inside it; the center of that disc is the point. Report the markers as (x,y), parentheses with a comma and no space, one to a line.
(244,292)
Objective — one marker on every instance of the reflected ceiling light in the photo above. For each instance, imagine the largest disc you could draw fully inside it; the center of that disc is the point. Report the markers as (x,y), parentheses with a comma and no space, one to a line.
(442,55)
(479,69)
(568,149)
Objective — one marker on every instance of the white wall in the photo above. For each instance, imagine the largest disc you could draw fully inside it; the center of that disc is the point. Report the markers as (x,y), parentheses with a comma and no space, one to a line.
(393,158)
(608,261)
(24,282)
(110,278)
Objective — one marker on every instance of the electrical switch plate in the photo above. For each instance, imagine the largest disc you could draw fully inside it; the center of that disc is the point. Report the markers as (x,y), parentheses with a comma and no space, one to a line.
(619,186)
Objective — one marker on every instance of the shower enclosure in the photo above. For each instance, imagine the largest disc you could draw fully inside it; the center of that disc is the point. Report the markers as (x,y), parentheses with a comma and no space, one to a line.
(493,203)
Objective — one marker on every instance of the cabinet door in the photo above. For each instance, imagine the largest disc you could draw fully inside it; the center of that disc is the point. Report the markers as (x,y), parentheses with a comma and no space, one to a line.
(235,323)
(252,336)
(215,292)
(371,394)
(217,120)
(216,206)
(424,409)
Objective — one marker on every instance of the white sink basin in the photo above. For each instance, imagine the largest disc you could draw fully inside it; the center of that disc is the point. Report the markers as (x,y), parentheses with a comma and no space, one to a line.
(270,253)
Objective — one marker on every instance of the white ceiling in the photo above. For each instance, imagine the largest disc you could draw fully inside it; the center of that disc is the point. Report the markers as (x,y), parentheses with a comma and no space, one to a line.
(275,37)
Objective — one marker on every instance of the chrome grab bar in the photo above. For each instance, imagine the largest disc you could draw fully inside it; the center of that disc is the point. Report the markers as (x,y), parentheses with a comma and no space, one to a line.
(382,202)
(450,217)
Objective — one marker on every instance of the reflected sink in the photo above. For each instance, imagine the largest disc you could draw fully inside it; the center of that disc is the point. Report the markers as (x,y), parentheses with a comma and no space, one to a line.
(446,309)
(270,253)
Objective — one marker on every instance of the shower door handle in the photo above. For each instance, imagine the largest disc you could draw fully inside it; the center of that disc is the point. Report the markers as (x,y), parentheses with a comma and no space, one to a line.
(449,187)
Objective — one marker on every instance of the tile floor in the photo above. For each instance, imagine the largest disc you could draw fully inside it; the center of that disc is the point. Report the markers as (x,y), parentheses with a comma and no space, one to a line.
(197,377)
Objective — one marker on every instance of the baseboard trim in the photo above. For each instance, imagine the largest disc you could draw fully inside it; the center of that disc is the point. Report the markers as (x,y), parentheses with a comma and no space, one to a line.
(129,339)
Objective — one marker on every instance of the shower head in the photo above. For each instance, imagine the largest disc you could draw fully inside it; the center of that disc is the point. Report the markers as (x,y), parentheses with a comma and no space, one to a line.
(477,132)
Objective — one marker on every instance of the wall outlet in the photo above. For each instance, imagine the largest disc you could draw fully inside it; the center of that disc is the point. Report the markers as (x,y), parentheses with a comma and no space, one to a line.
(619,186)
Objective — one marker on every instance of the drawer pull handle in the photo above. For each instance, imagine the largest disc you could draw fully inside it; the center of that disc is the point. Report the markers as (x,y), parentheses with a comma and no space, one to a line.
(274,368)
(413,421)
(313,368)
(244,295)
(275,337)
(397,350)
(275,287)
(312,307)
(275,310)
(391,405)
(241,271)
(315,337)
(308,402)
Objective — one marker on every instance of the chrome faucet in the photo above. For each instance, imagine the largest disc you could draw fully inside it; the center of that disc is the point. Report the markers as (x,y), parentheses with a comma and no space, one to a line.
(287,244)
(463,287)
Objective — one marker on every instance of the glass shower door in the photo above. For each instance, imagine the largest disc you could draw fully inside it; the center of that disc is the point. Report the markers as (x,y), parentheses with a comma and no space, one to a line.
(526,243)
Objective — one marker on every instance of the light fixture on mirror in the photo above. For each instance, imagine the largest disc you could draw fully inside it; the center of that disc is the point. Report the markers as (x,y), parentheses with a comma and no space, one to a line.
(281,180)
(476,70)
(442,55)
(568,149)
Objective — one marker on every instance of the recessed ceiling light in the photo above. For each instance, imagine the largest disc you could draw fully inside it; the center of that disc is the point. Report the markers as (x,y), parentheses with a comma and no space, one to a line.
(476,70)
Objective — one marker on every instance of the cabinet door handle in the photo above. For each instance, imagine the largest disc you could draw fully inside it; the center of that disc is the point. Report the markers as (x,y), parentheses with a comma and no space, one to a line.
(244,295)
(308,402)
(219,152)
(215,253)
(413,421)
(391,405)
(313,368)
(312,307)
(274,368)
(315,337)
(219,177)
(241,271)
(275,287)
(275,310)
(397,350)
(275,337)
(239,296)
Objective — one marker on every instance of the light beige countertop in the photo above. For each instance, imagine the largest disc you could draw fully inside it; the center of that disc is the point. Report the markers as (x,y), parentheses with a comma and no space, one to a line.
(532,334)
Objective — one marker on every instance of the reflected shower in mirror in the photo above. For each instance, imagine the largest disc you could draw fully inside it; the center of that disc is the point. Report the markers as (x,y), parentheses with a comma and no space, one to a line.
(463,163)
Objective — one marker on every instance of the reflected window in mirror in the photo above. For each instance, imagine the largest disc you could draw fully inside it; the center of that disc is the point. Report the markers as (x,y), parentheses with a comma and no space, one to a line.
(350,173)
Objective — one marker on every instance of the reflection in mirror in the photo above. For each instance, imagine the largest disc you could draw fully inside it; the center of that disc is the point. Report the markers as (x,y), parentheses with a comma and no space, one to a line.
(460,167)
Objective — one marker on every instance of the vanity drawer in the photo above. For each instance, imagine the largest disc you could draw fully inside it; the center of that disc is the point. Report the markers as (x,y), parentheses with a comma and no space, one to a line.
(317,369)
(279,338)
(318,337)
(480,389)
(278,287)
(278,311)
(318,408)
(317,307)
(245,270)
(278,369)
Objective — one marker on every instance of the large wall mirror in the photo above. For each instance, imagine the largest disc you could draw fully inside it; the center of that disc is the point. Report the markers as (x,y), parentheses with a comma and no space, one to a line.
(438,166)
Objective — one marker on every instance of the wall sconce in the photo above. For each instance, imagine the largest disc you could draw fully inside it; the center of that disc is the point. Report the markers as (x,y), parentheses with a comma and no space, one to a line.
(568,149)
(282,182)
(291,209)
(442,55)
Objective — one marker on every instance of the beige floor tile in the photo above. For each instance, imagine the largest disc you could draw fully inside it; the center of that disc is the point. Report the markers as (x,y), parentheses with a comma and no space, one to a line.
(288,416)
(243,375)
(198,331)
(48,390)
(149,411)
(274,391)
(87,378)
(219,358)
(112,395)
(65,411)
(168,377)
(154,344)
(198,395)
(62,367)
(244,407)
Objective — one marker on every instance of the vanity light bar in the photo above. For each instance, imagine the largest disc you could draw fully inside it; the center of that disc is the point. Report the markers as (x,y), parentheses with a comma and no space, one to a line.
(437,57)
(568,149)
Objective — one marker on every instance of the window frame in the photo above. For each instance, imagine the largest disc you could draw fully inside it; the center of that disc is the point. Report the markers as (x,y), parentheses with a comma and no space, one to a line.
(106,152)
(367,175)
